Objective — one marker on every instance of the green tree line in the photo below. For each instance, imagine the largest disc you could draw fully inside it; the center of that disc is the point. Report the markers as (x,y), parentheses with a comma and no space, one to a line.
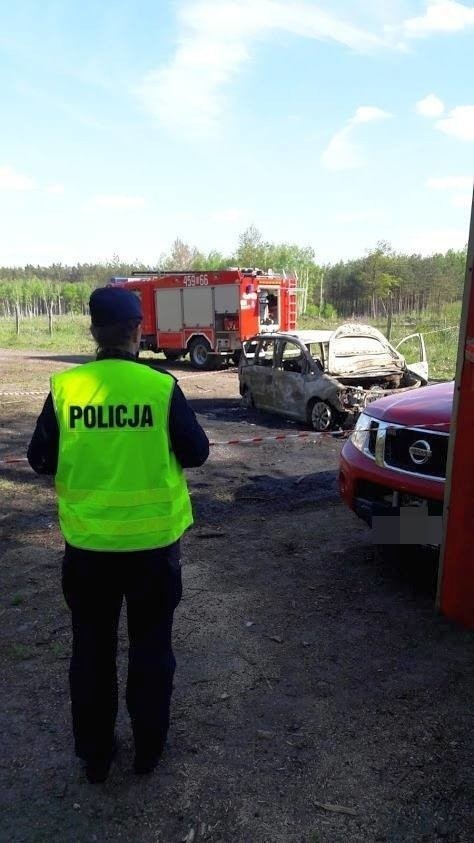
(385,281)
(379,283)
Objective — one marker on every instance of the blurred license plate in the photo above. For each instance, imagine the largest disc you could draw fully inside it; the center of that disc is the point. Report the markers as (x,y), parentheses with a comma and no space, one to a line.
(411,500)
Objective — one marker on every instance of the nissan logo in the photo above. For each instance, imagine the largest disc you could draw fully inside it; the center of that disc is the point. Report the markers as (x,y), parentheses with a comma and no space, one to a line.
(420,451)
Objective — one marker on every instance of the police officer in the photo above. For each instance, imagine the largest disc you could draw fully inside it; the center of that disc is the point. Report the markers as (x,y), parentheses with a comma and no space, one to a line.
(117,436)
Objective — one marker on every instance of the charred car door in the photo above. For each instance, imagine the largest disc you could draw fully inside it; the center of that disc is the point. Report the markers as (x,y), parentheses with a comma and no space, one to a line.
(290,368)
(415,355)
(258,375)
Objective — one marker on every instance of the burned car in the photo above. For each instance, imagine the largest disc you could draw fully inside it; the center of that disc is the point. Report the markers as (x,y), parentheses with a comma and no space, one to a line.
(326,378)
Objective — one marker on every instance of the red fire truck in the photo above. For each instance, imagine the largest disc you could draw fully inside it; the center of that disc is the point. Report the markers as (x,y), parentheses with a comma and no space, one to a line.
(209,314)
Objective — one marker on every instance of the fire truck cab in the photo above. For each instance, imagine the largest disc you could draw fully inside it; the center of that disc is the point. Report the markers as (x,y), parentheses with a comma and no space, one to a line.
(209,314)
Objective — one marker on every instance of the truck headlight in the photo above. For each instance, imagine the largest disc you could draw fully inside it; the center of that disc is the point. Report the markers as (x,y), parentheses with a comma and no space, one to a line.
(360,435)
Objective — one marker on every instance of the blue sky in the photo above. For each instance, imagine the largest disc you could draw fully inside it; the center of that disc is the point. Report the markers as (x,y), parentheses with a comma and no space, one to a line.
(331,124)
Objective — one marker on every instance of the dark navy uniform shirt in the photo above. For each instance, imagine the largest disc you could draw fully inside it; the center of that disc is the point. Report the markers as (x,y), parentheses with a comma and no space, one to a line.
(188,440)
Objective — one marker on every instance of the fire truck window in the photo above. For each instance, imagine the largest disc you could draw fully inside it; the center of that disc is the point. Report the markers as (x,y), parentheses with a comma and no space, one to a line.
(264,355)
(273,308)
(263,306)
(268,308)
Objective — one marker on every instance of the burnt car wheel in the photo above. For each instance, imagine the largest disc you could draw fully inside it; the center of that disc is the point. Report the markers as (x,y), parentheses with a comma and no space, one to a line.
(247,399)
(321,416)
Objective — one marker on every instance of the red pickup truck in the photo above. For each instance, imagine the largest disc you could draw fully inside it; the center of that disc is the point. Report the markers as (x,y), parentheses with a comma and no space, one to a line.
(394,464)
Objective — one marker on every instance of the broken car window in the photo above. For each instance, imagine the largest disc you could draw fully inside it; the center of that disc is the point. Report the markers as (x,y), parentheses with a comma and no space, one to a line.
(316,353)
(292,358)
(264,353)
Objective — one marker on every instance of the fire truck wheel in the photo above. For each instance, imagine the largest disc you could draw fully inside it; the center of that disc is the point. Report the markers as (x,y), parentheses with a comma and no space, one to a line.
(199,352)
(321,416)
(247,399)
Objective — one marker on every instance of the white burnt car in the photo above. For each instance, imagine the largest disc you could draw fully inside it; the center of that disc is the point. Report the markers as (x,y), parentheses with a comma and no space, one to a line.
(326,378)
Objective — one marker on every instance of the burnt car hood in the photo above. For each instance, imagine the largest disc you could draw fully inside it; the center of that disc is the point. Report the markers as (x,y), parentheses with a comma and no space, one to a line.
(361,363)
(429,406)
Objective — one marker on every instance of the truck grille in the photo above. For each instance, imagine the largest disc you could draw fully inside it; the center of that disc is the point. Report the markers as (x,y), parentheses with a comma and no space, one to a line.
(428,451)
(373,428)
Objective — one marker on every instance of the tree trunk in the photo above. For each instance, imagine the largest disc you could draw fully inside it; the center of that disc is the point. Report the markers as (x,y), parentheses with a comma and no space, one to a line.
(389,319)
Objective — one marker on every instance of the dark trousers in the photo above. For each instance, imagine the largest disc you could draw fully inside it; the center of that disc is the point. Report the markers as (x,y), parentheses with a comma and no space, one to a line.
(94,585)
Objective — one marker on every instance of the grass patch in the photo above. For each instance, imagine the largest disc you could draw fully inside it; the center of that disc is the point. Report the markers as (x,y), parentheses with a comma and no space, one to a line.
(71,334)
(59,651)
(20,652)
(440,331)
(8,485)
(17,600)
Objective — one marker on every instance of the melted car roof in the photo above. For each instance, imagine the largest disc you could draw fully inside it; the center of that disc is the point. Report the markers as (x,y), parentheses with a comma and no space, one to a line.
(303,336)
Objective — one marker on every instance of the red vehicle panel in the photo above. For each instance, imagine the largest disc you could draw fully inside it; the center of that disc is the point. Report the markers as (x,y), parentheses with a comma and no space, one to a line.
(396,456)
(209,314)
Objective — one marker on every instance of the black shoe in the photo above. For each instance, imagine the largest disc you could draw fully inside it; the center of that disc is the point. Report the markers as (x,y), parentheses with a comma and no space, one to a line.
(146,761)
(97,769)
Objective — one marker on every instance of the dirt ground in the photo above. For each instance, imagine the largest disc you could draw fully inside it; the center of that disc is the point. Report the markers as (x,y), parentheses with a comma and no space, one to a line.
(318,695)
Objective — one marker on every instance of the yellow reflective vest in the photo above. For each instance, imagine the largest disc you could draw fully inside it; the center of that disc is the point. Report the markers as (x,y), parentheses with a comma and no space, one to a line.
(119,484)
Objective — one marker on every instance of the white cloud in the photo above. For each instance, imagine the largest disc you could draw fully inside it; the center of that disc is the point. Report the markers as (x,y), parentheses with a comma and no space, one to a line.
(368,113)
(430,106)
(459,189)
(186,95)
(213,46)
(240,19)
(55,189)
(216,39)
(118,200)
(11,180)
(459,123)
(342,153)
(441,16)
(437,240)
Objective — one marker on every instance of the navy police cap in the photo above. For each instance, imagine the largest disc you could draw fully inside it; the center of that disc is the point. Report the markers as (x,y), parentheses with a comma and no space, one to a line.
(108,305)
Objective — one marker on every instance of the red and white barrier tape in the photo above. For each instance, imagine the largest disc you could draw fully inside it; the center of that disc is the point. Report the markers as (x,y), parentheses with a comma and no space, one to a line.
(255,440)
